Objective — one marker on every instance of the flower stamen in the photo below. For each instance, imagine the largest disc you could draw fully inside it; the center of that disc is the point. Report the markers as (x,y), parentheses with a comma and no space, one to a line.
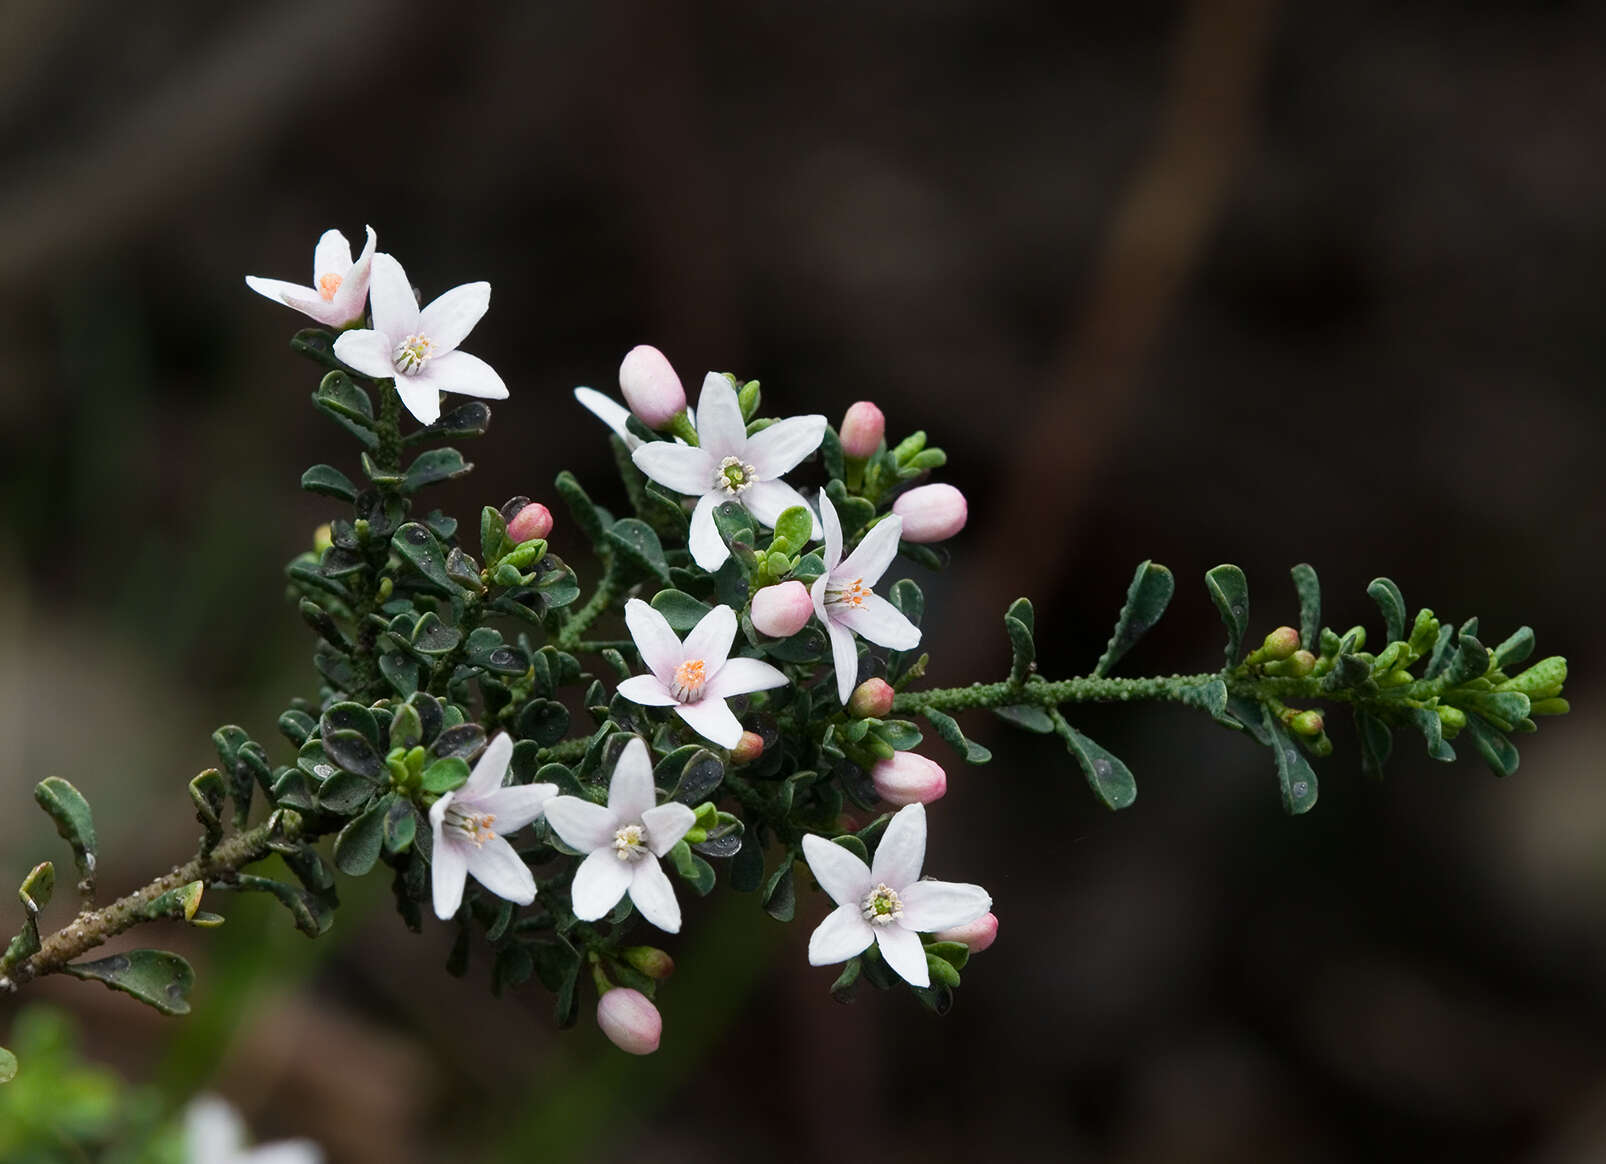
(328,285)
(476,826)
(690,679)
(854,594)
(733,476)
(881,906)
(630,843)
(413,353)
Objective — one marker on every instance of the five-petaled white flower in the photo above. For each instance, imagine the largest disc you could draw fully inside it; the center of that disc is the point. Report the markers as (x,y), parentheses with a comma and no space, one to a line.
(468,826)
(847,604)
(623,842)
(214,1134)
(697,676)
(418,348)
(339,286)
(886,902)
(730,465)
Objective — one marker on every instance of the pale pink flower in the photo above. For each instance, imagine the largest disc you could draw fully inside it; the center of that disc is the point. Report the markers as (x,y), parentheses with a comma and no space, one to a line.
(909,778)
(650,386)
(931,513)
(339,286)
(630,1020)
(782,610)
(863,426)
(846,602)
(469,826)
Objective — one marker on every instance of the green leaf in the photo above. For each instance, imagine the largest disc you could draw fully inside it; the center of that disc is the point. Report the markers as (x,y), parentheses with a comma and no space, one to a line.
(1146,600)
(1377,741)
(1229,590)
(155,977)
(433,466)
(357,845)
(796,525)
(339,397)
(344,793)
(1310,604)
(400,826)
(352,752)
(329,481)
(70,811)
(637,543)
(493,535)
(1392,605)
(1470,660)
(546,721)
(702,773)
(1515,649)
(8,1066)
(311,911)
(680,609)
(948,728)
(1497,751)
(403,674)
(899,734)
(37,887)
(1293,770)
(1026,717)
(486,649)
(420,549)
(806,646)
(465,740)
(587,516)
(842,988)
(406,729)
(1110,779)
(1020,622)
(779,898)
(469,419)
(208,792)
(445,775)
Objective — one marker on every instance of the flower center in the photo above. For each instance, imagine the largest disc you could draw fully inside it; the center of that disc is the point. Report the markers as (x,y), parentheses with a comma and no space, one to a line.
(328,285)
(854,594)
(476,826)
(413,353)
(733,476)
(690,678)
(630,843)
(881,906)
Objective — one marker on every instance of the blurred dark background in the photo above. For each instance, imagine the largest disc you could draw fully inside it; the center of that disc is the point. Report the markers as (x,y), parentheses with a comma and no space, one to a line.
(1227,280)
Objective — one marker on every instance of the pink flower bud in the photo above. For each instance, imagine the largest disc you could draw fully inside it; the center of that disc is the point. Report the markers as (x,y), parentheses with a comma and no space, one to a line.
(630,1020)
(931,513)
(749,748)
(872,698)
(651,387)
(862,429)
(783,610)
(909,778)
(533,521)
(977,935)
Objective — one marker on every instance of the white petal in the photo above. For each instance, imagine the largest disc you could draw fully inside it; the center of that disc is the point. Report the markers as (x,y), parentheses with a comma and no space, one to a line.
(304,299)
(875,553)
(654,896)
(610,412)
(630,789)
(449,867)
(844,657)
(367,351)
(490,770)
(449,318)
(656,641)
(496,866)
(708,549)
(583,826)
(776,450)
(710,640)
(391,297)
(842,934)
(421,397)
(599,883)
(936,905)
(879,622)
(817,594)
(720,428)
(901,949)
(666,824)
(712,720)
(332,256)
(739,676)
(647,691)
(902,850)
(767,500)
(466,375)
(839,871)
(212,1130)
(833,533)
(678,467)
(517,805)
(282,1152)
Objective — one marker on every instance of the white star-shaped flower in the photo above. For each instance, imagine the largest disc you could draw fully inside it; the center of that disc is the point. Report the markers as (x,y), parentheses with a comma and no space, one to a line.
(214,1134)
(697,676)
(339,286)
(846,602)
(469,824)
(418,348)
(730,465)
(623,842)
(887,903)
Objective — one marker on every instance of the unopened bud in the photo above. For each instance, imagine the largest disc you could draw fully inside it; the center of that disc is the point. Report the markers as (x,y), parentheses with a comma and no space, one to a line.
(871,699)
(630,1020)
(749,748)
(1452,718)
(863,426)
(651,387)
(976,935)
(1544,680)
(533,521)
(1307,723)
(1281,643)
(931,513)
(909,778)
(781,611)
(650,960)
(323,537)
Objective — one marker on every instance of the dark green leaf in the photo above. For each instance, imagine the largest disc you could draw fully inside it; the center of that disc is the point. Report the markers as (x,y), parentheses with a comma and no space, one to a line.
(948,728)
(493,535)
(432,466)
(1392,605)
(587,516)
(1470,661)
(329,481)
(401,825)
(466,740)
(1024,715)
(1110,779)
(406,729)
(779,899)
(296,726)
(70,812)
(1229,590)
(486,649)
(698,779)
(1497,751)
(311,911)
(899,734)
(905,595)
(1293,770)
(357,846)
(1377,741)
(1310,604)
(351,751)
(1146,600)
(1515,649)
(338,397)
(1443,651)
(637,543)
(842,988)
(469,419)
(208,793)
(344,793)
(1019,622)
(679,609)
(403,674)
(419,547)
(545,721)
(155,977)
(808,645)
(352,717)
